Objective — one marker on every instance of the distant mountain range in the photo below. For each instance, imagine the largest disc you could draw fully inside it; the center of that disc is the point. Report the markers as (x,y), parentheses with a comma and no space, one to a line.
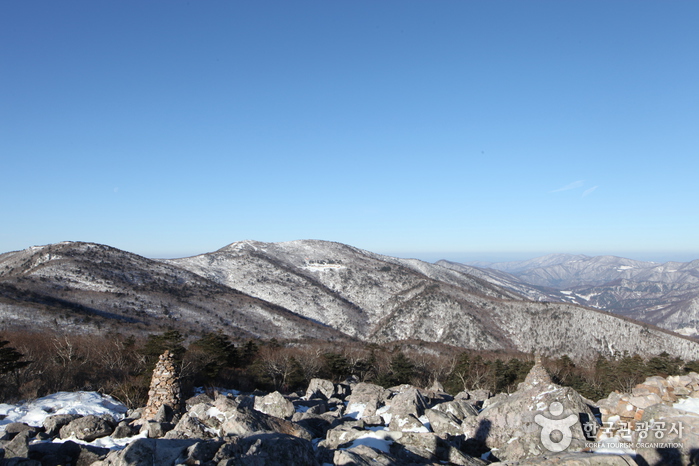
(309,289)
(666,294)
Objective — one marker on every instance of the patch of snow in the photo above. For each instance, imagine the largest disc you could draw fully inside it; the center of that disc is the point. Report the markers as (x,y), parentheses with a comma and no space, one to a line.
(322,267)
(421,429)
(379,440)
(355,410)
(624,267)
(688,331)
(567,292)
(551,389)
(385,415)
(34,412)
(425,422)
(106,442)
(215,412)
(688,404)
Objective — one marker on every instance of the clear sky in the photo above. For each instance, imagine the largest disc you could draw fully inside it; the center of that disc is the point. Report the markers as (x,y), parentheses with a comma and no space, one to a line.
(450,129)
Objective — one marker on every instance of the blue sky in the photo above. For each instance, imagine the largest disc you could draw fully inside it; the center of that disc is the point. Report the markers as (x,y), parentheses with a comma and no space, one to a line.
(452,129)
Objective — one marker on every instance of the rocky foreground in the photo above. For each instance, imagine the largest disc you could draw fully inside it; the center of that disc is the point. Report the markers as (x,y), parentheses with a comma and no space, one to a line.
(364,424)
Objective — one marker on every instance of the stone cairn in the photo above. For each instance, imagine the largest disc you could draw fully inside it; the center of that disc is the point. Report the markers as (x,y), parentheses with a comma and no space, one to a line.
(537,375)
(165,387)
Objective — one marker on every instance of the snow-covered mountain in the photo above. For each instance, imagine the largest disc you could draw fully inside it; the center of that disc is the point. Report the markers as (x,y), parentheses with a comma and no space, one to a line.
(314,289)
(91,287)
(383,298)
(665,294)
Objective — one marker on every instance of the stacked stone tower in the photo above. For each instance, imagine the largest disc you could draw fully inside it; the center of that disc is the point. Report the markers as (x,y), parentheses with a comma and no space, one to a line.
(165,387)
(537,375)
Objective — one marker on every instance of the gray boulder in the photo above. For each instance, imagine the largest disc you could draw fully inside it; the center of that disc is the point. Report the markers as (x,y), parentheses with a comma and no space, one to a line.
(88,428)
(196,423)
(165,415)
(246,421)
(492,401)
(125,429)
(148,452)
(680,434)
(312,406)
(197,399)
(225,416)
(275,405)
(365,399)
(66,453)
(460,409)
(320,388)
(18,447)
(52,424)
(408,400)
(420,446)
(341,435)
(443,423)
(202,452)
(154,429)
(363,455)
(539,418)
(267,449)
(406,423)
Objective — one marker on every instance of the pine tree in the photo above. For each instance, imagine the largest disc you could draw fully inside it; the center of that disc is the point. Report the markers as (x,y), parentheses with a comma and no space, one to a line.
(157,344)
(10,358)
(219,353)
(402,369)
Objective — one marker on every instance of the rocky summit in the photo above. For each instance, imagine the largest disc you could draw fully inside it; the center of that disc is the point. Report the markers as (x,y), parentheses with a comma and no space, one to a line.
(353,423)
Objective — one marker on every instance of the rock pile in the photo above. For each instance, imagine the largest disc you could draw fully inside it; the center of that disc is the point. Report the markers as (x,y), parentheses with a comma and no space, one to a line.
(625,410)
(364,424)
(165,388)
(653,414)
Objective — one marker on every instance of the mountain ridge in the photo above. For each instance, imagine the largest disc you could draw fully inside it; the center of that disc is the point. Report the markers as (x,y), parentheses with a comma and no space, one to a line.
(664,294)
(306,289)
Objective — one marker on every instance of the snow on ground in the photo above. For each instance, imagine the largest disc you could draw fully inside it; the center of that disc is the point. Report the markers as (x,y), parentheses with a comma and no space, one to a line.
(688,404)
(322,268)
(106,442)
(688,331)
(355,410)
(34,412)
(379,440)
(426,423)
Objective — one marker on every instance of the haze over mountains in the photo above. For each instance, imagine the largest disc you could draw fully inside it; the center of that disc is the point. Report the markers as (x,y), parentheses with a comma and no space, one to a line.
(665,294)
(309,289)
